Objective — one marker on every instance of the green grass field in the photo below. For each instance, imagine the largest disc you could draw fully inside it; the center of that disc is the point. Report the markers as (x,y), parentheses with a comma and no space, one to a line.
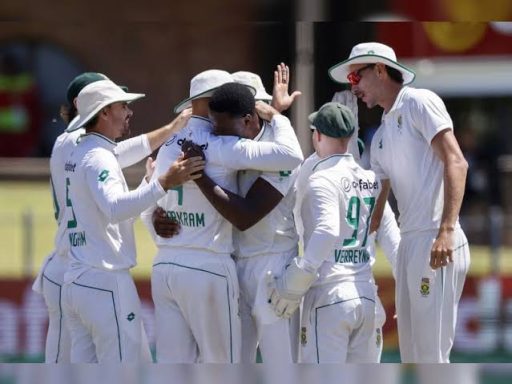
(19,197)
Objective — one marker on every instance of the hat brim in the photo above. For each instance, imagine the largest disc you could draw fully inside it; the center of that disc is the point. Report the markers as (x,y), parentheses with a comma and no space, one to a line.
(262,95)
(340,71)
(187,103)
(80,121)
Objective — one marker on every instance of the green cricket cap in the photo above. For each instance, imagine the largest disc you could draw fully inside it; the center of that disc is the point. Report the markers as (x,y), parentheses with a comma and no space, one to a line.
(333,120)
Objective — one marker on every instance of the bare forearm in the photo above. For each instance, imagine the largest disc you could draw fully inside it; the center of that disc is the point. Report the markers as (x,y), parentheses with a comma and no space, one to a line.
(454,182)
(159,136)
(232,207)
(378,211)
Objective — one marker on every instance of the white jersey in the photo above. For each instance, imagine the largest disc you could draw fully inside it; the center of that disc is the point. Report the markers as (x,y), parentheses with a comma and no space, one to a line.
(100,208)
(348,99)
(336,208)
(202,226)
(274,233)
(128,152)
(401,152)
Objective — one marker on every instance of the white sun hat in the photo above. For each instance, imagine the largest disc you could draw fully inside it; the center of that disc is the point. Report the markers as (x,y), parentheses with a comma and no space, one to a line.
(95,96)
(203,85)
(254,81)
(369,53)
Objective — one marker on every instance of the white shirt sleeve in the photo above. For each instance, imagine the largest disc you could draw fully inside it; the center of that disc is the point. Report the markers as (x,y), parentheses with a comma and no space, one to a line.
(321,215)
(284,153)
(107,186)
(429,114)
(388,236)
(133,150)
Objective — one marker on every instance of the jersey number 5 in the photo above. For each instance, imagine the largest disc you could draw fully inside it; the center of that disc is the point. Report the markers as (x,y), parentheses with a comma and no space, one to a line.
(354,219)
(71,223)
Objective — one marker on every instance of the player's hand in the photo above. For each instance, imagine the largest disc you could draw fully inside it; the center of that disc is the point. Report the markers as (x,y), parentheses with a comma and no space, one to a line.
(181,171)
(164,225)
(265,111)
(180,121)
(281,100)
(283,305)
(191,149)
(150,168)
(442,249)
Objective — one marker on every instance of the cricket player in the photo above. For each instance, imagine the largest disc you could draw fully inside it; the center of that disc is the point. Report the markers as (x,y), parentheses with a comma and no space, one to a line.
(262,214)
(387,235)
(51,276)
(415,153)
(100,303)
(334,275)
(194,280)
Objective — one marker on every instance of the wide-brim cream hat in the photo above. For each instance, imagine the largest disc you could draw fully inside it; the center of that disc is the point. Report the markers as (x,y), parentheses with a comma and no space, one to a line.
(369,53)
(95,96)
(203,85)
(254,81)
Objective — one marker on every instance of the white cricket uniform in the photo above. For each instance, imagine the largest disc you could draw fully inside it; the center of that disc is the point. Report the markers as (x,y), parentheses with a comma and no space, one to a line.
(100,302)
(270,244)
(426,299)
(388,237)
(194,282)
(51,275)
(338,313)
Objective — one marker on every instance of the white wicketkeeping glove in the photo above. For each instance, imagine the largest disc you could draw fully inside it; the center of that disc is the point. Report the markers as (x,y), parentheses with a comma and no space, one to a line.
(285,292)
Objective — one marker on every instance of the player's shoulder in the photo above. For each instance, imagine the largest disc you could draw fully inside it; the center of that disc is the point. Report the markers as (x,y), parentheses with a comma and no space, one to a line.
(418,96)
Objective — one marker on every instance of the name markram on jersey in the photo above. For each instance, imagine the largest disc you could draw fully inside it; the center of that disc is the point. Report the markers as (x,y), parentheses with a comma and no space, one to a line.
(362,185)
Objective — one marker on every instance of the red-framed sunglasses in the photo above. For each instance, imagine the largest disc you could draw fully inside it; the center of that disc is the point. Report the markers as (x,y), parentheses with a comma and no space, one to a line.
(355,77)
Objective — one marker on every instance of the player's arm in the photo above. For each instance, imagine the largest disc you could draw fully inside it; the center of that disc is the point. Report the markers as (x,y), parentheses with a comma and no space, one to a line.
(445,146)
(388,236)
(106,185)
(242,212)
(283,153)
(321,208)
(378,211)
(133,150)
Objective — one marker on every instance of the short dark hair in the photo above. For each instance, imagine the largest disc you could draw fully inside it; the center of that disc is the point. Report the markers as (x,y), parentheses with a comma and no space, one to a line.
(68,113)
(232,98)
(91,123)
(395,74)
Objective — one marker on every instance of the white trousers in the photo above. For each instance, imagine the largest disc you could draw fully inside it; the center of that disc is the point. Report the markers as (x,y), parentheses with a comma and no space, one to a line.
(338,320)
(103,313)
(273,339)
(49,282)
(196,308)
(427,299)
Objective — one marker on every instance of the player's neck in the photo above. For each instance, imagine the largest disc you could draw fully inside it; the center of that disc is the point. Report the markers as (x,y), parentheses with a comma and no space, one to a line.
(390,95)
(332,147)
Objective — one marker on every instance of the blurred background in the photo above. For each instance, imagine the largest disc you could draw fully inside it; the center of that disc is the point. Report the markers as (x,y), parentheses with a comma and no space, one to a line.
(463,56)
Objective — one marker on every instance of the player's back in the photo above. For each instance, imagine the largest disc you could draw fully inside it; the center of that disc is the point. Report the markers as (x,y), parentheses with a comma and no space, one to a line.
(357,190)
(62,149)
(202,227)
(275,232)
